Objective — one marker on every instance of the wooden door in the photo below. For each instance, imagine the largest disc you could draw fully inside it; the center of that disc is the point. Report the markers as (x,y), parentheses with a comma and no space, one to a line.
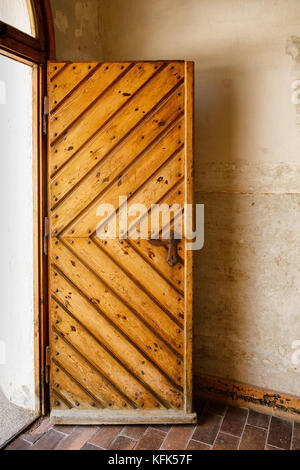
(120,317)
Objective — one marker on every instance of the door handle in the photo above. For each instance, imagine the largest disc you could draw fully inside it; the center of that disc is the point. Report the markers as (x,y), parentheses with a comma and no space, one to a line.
(172,255)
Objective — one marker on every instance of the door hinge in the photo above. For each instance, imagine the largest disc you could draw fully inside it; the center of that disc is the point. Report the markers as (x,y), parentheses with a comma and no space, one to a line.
(46,235)
(45,115)
(47,365)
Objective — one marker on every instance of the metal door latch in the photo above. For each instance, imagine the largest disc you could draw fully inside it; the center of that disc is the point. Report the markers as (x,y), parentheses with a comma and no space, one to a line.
(172,256)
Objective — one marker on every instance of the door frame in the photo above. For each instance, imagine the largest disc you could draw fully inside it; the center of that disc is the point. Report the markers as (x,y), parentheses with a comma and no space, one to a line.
(35,52)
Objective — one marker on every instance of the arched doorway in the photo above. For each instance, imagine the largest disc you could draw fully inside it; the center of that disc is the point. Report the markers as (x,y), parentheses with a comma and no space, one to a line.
(26,43)
(26,30)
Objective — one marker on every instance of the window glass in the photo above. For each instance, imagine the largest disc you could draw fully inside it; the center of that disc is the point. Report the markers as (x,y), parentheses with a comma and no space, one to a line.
(19,14)
(16,236)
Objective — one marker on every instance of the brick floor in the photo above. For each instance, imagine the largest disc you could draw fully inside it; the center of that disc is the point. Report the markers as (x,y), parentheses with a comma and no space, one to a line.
(219,428)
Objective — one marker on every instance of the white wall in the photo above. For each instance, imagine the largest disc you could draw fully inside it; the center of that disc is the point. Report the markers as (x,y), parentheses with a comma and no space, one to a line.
(78,32)
(16,234)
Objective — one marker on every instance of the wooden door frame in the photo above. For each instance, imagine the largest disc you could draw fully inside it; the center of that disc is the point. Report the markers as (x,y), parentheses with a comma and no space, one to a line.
(35,52)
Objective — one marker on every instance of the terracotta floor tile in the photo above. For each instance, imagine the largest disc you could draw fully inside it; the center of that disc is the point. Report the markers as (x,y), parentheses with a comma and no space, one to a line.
(151,440)
(19,444)
(234,421)
(208,428)
(122,443)
(41,426)
(195,445)
(207,434)
(77,438)
(296,437)
(49,441)
(178,437)
(253,438)
(258,419)
(31,438)
(134,432)
(64,429)
(226,442)
(105,435)
(280,434)
(88,446)
(162,427)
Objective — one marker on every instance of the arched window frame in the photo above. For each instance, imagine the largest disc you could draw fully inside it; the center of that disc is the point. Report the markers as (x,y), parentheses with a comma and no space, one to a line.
(30,49)
(36,51)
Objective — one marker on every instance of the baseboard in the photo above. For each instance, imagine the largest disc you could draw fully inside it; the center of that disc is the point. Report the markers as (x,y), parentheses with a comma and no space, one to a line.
(239,394)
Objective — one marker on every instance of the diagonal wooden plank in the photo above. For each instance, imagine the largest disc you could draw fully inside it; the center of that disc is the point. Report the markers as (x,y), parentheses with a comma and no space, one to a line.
(151,281)
(77,338)
(71,391)
(130,260)
(94,382)
(111,134)
(132,179)
(174,197)
(89,91)
(117,311)
(54,68)
(166,177)
(141,137)
(113,341)
(63,83)
(108,270)
(157,256)
(73,107)
(59,402)
(102,110)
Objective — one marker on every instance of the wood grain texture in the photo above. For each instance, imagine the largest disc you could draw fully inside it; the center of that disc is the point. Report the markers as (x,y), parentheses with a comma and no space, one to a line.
(118,311)
(189,199)
(85,417)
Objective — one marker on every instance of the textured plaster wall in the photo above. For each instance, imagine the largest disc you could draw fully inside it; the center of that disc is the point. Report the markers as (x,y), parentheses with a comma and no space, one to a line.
(77,29)
(247,161)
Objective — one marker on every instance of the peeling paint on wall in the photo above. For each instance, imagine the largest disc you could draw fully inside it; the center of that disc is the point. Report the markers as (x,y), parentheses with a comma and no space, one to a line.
(61,21)
(293,48)
(83,15)
(78,29)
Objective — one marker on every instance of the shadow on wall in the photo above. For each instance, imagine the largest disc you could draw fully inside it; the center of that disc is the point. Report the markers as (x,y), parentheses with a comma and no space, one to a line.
(215,298)
(246,277)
